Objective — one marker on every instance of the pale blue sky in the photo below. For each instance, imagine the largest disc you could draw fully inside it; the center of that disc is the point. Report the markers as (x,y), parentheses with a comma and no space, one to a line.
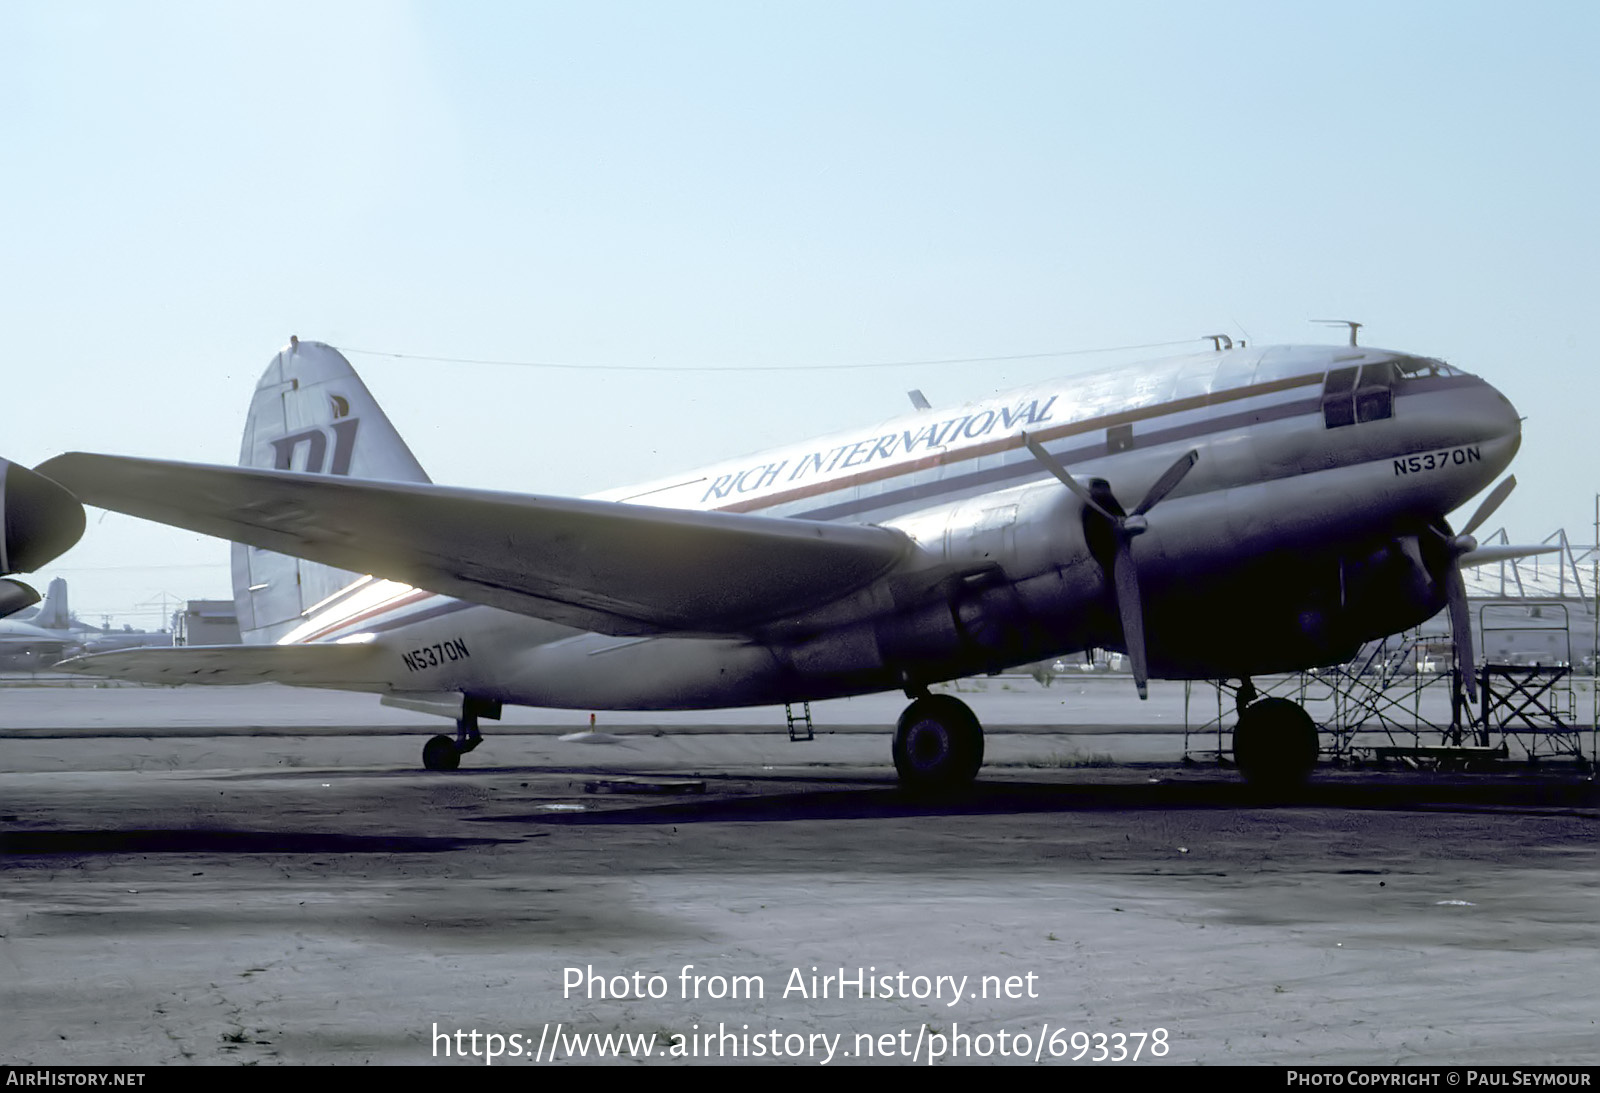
(186,185)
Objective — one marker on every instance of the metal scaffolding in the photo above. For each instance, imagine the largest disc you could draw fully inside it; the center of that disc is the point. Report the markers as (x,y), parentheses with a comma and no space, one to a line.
(1401,700)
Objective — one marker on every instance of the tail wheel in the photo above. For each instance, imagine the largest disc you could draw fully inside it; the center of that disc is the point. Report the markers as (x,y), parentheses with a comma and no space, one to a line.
(1275,744)
(938,745)
(441,753)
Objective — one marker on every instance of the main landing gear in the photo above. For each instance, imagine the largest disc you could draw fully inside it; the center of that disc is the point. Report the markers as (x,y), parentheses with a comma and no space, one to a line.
(938,745)
(443,753)
(1275,742)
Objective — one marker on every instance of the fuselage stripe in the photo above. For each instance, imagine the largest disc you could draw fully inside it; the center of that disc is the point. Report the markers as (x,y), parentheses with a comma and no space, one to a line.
(450,606)
(1014,441)
(404,599)
(945,487)
(1023,469)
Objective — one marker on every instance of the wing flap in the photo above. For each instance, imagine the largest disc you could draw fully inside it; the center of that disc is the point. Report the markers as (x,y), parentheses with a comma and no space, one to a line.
(354,667)
(596,565)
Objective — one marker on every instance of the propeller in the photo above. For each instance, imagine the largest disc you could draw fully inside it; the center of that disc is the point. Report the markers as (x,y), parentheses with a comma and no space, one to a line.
(1124,527)
(1460,547)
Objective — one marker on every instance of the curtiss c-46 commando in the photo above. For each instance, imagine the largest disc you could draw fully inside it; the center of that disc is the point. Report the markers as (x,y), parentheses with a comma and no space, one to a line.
(1220,515)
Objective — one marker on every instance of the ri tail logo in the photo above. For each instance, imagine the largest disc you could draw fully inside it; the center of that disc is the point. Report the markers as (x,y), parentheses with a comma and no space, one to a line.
(315,442)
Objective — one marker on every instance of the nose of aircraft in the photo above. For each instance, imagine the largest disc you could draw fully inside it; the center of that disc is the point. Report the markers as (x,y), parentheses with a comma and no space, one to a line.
(1500,420)
(1493,429)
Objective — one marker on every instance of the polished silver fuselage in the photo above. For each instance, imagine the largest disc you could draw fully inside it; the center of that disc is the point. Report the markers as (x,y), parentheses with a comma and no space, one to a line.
(1312,521)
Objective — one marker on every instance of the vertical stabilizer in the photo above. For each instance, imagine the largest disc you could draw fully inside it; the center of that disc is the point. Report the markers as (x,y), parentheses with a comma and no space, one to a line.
(311,413)
(52,613)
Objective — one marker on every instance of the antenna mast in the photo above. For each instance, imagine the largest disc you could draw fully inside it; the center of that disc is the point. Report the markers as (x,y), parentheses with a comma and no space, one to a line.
(1351,323)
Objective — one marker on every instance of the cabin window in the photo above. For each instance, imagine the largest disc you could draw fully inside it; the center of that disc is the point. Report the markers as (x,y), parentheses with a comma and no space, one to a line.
(1375,392)
(1119,438)
(1338,403)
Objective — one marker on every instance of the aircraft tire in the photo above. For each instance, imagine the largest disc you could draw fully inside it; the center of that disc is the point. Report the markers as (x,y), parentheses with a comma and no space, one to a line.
(441,753)
(1275,745)
(938,745)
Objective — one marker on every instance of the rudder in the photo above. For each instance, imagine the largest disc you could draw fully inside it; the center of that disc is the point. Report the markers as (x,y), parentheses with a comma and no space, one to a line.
(311,413)
(53,613)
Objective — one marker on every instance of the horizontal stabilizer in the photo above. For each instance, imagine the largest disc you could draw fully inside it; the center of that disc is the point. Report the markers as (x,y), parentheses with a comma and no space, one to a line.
(352,667)
(594,565)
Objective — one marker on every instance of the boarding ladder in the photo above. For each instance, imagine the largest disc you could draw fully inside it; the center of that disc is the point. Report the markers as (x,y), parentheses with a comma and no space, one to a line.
(799,725)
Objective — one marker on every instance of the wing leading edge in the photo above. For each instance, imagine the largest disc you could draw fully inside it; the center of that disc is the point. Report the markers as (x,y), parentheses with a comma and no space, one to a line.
(596,565)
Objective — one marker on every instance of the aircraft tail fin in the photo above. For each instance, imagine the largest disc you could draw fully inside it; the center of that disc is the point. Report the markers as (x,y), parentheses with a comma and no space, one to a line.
(311,413)
(52,613)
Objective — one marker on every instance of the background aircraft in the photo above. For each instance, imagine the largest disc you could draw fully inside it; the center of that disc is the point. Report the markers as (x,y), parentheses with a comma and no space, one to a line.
(46,635)
(1215,516)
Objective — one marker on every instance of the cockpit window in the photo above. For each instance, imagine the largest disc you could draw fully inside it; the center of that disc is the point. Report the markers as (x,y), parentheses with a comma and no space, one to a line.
(1337,405)
(1375,391)
(1360,393)
(1424,366)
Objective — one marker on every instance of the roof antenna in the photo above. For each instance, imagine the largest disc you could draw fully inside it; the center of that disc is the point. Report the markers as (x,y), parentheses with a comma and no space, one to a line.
(1354,326)
(1217,340)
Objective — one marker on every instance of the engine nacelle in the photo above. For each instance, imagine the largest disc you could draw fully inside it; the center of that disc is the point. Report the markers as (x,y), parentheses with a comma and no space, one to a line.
(14,596)
(38,519)
(996,569)
(1024,531)
(1396,586)
(1292,611)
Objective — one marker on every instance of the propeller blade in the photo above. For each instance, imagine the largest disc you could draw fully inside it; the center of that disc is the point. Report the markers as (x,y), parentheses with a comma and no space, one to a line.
(1125,577)
(1501,552)
(1053,465)
(1490,503)
(1164,485)
(1132,611)
(1461,631)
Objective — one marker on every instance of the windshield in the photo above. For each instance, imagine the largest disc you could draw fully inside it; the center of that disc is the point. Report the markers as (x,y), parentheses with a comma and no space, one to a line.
(1424,366)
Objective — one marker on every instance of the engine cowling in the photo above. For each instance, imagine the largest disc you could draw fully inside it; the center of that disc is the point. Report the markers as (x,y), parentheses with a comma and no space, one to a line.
(1000,575)
(14,596)
(1290,611)
(39,520)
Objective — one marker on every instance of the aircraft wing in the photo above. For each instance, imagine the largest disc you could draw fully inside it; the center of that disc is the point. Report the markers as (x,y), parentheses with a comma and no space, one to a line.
(353,667)
(596,565)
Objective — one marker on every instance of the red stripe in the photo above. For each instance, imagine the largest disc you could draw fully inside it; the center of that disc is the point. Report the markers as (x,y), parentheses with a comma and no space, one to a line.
(1007,443)
(388,605)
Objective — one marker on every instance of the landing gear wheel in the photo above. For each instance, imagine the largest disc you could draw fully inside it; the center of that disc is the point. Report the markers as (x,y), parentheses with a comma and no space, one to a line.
(441,753)
(938,745)
(1275,745)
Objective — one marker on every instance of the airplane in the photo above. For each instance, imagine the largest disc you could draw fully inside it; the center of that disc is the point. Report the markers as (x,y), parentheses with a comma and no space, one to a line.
(1218,515)
(48,634)
(95,639)
(39,521)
